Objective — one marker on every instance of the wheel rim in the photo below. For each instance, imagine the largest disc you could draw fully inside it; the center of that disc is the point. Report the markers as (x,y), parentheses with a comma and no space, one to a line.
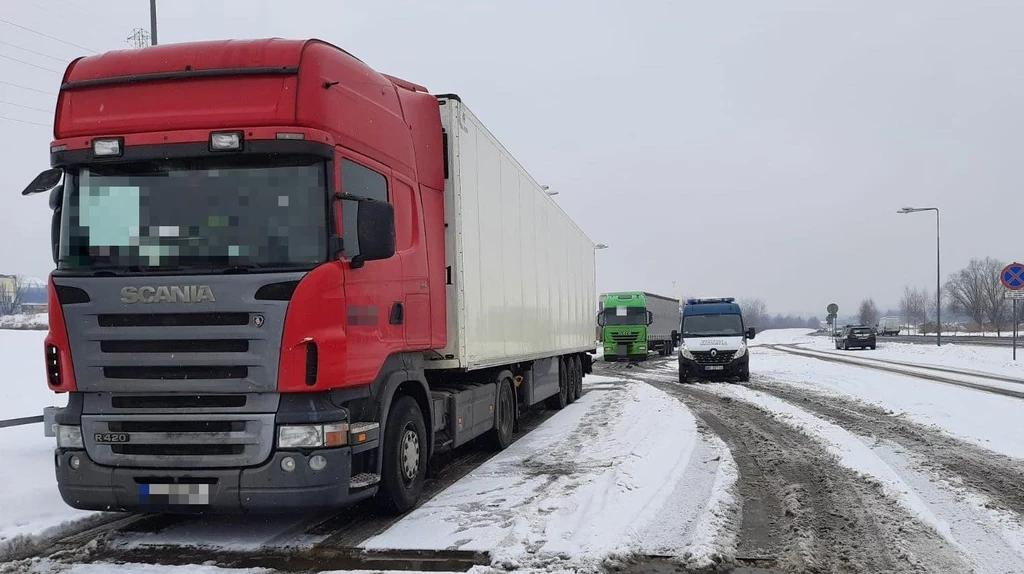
(410,454)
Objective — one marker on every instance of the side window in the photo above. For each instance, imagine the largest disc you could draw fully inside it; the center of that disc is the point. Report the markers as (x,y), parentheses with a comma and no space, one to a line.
(358,181)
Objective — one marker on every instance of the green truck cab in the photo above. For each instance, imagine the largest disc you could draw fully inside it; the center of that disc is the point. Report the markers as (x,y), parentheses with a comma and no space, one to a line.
(633,323)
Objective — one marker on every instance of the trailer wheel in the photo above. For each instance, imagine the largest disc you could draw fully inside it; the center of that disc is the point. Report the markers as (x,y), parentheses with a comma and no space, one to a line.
(570,380)
(504,416)
(559,401)
(577,377)
(405,457)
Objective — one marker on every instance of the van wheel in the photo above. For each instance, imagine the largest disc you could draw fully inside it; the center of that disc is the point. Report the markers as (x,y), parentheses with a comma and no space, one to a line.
(504,416)
(404,465)
(559,401)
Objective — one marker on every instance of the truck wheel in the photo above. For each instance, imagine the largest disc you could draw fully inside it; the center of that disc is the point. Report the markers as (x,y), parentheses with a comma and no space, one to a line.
(572,370)
(559,401)
(578,381)
(504,416)
(405,457)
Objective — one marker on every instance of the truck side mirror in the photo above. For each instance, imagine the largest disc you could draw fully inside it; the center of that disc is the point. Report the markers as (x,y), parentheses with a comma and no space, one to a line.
(45,181)
(750,333)
(600,320)
(650,318)
(375,228)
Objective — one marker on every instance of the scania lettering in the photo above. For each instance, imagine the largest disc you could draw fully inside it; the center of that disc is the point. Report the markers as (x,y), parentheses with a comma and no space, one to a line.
(713,341)
(633,323)
(284,281)
(165,294)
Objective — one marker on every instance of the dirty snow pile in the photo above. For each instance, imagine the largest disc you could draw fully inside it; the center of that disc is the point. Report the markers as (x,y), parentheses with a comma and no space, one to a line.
(621,472)
(25,321)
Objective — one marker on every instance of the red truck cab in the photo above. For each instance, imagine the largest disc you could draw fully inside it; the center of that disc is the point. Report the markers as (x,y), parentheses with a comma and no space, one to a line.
(249,248)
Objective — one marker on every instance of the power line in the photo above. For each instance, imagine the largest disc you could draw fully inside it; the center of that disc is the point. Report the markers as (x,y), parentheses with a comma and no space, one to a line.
(51,94)
(26,107)
(27,29)
(17,47)
(24,122)
(29,64)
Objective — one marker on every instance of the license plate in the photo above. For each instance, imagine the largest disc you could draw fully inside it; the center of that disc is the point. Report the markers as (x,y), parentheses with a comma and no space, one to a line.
(171,494)
(714,368)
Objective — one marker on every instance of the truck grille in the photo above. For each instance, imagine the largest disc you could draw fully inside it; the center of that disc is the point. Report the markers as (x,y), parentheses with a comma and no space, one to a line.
(705,358)
(173,319)
(625,337)
(179,440)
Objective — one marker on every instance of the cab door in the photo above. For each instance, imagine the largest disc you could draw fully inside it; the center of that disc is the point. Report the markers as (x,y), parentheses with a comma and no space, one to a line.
(373,290)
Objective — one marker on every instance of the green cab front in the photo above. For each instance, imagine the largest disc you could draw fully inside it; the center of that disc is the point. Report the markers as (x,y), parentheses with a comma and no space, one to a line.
(624,320)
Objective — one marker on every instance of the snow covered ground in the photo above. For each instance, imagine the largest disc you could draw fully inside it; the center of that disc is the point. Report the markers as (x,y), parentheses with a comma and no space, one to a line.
(29,502)
(997,360)
(597,480)
(988,420)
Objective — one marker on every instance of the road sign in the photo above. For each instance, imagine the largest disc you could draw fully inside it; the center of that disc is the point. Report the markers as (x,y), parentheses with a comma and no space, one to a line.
(832,308)
(1012,276)
(1014,294)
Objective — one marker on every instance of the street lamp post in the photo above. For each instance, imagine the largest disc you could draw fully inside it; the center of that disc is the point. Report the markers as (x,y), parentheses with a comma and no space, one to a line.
(938,274)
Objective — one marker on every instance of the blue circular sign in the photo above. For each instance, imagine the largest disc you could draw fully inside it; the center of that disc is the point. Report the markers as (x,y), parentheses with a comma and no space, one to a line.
(1012,276)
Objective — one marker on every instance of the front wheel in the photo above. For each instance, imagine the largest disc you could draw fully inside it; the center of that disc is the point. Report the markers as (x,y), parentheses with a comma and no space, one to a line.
(683,377)
(404,464)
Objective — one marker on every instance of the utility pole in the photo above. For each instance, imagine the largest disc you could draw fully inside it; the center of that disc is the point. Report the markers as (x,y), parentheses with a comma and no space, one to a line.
(152,22)
(139,38)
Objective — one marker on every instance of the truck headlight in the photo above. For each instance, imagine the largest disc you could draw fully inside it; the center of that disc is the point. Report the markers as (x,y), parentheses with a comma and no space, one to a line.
(68,436)
(685,353)
(305,436)
(312,436)
(740,352)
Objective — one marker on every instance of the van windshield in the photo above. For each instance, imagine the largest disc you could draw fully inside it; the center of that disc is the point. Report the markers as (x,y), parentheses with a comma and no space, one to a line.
(709,325)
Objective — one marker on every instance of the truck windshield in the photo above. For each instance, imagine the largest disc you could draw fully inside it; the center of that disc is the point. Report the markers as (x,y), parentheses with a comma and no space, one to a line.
(196,214)
(625,316)
(708,325)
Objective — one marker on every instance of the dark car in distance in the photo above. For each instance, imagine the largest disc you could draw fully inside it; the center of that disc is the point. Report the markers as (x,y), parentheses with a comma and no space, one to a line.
(853,336)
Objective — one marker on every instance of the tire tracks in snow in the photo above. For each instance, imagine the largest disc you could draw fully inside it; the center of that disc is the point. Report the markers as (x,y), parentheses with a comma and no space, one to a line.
(801,509)
(997,476)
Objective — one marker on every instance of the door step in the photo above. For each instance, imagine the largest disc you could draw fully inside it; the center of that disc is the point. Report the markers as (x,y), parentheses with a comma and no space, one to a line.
(363,480)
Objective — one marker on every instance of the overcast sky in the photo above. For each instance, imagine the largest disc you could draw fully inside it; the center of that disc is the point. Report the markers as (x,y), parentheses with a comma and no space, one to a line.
(719,148)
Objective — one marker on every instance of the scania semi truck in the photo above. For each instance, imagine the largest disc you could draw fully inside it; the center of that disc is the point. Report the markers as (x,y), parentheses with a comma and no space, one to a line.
(284,281)
(633,323)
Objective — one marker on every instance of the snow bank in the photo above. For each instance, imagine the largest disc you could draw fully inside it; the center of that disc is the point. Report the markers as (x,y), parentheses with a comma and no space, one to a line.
(996,360)
(988,420)
(22,321)
(593,482)
(781,337)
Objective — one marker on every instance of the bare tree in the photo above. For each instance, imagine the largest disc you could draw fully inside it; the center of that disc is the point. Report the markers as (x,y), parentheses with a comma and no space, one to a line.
(966,291)
(996,306)
(868,313)
(12,293)
(755,312)
(907,308)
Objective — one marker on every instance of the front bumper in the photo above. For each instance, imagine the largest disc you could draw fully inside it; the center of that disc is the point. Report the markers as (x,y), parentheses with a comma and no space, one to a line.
(733,368)
(266,488)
